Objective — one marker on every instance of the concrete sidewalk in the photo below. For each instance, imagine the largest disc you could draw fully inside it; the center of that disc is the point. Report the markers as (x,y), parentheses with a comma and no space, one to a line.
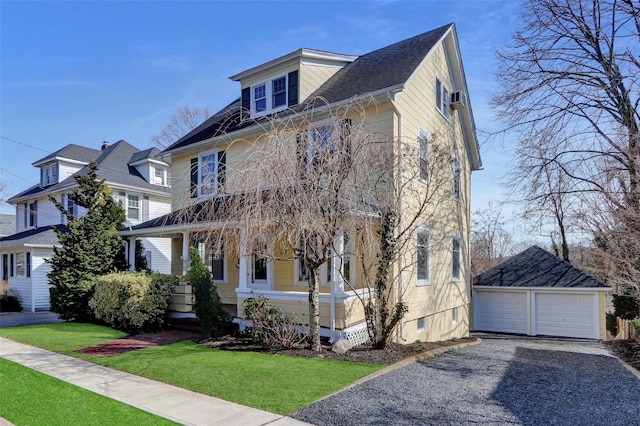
(174,403)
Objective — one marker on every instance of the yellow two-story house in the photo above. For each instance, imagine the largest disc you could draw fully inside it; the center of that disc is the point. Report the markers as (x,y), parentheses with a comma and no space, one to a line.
(412,91)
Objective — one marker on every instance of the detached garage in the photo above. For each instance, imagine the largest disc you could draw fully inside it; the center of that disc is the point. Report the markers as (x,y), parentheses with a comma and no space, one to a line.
(539,294)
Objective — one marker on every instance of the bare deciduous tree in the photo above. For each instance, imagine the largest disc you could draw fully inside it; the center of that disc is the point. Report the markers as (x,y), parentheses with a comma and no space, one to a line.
(570,86)
(182,121)
(491,243)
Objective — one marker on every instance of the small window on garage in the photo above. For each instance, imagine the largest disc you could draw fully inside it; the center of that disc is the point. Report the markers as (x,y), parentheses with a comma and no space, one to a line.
(422,324)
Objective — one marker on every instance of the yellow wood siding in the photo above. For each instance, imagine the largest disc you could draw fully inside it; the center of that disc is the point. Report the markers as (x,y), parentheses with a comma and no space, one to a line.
(312,77)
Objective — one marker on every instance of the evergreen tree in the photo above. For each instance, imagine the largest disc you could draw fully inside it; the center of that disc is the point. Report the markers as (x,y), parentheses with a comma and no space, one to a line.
(90,248)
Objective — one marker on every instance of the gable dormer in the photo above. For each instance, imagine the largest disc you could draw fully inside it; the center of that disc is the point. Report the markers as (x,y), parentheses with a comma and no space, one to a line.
(152,166)
(286,81)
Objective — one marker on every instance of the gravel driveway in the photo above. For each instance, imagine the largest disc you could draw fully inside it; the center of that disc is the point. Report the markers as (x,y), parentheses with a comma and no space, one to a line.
(503,380)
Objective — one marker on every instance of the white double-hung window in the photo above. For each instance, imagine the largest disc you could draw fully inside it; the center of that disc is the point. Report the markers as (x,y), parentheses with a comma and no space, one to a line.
(133,207)
(423,153)
(442,98)
(422,256)
(209,173)
(270,95)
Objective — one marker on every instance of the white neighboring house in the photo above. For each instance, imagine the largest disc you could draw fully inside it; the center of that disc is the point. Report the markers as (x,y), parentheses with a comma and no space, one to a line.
(138,179)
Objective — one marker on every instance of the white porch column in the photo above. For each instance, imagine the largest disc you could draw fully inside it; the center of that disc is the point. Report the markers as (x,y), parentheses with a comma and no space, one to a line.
(337,278)
(131,258)
(186,259)
(243,273)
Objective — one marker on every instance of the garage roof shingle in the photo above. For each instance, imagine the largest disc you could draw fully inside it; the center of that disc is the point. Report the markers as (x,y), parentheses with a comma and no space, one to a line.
(536,267)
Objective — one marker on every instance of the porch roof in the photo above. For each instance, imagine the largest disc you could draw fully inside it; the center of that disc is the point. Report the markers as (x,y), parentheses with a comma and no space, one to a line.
(44,236)
(210,211)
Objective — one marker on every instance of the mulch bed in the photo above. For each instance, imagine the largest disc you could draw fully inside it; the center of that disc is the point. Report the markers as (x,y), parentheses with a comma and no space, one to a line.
(392,354)
(140,341)
(627,350)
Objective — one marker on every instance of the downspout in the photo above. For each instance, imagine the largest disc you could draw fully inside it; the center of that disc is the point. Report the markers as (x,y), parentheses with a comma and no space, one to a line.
(391,96)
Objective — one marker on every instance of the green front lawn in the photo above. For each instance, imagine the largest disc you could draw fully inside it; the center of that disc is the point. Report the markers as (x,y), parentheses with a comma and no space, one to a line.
(276,383)
(33,398)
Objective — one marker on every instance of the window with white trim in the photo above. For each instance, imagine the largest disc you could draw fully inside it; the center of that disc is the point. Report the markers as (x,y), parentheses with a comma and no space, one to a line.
(28,262)
(71,206)
(49,175)
(133,207)
(422,256)
(20,264)
(31,214)
(270,95)
(219,266)
(456,178)
(159,176)
(422,323)
(442,98)
(260,98)
(259,264)
(279,92)
(423,153)
(455,258)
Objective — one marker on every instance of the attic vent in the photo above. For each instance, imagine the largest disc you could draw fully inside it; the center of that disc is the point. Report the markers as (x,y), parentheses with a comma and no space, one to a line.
(458,100)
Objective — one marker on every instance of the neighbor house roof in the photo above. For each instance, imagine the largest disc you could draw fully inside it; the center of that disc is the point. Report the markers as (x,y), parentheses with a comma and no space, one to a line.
(113,167)
(44,236)
(71,152)
(383,68)
(7,224)
(536,267)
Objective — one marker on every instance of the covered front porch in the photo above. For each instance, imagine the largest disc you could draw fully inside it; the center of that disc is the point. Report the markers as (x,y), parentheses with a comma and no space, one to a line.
(273,272)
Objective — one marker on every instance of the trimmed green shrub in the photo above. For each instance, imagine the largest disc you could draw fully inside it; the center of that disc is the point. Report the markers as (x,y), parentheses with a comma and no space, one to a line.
(208,306)
(133,302)
(636,324)
(8,298)
(611,323)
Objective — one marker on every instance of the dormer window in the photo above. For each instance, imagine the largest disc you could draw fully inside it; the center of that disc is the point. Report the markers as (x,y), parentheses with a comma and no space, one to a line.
(260,98)
(49,175)
(279,91)
(272,95)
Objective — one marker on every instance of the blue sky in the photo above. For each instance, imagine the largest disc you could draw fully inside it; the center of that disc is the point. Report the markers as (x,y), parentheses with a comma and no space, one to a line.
(85,72)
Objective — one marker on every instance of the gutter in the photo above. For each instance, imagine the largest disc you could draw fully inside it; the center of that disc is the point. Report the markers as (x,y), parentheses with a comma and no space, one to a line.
(391,96)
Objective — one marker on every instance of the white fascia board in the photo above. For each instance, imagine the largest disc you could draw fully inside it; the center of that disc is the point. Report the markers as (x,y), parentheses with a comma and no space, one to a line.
(148,160)
(137,189)
(298,55)
(56,158)
(541,289)
(258,129)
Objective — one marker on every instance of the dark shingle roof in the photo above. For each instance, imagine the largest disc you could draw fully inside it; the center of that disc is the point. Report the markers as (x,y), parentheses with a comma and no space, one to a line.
(536,267)
(381,68)
(150,153)
(113,167)
(377,70)
(73,152)
(7,224)
(44,236)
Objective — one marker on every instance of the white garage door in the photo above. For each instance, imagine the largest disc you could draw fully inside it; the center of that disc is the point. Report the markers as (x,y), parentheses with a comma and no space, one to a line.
(501,311)
(566,314)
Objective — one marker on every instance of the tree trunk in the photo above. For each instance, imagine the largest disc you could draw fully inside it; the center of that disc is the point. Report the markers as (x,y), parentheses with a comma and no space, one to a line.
(314,309)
